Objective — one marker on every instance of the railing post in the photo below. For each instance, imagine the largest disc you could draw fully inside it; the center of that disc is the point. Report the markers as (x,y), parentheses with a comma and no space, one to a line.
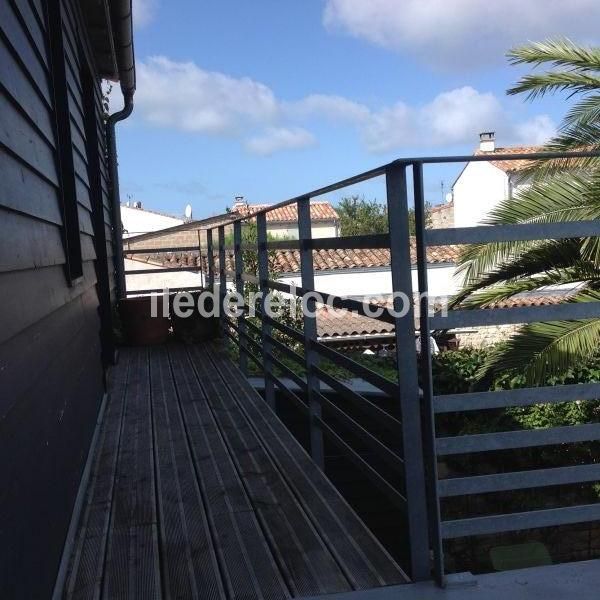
(202,278)
(406,359)
(310,330)
(222,277)
(239,286)
(266,329)
(435,530)
(210,257)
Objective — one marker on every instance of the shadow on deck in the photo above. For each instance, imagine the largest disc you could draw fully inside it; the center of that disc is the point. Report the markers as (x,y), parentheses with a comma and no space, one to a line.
(197,490)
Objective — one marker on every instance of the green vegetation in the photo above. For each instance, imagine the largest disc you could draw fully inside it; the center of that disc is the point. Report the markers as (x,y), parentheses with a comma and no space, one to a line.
(561,190)
(359,216)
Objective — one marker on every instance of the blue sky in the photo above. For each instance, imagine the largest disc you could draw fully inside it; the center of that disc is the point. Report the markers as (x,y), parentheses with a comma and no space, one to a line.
(272,98)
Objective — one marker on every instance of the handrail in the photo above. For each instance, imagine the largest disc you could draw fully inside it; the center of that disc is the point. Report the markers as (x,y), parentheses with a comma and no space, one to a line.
(410,423)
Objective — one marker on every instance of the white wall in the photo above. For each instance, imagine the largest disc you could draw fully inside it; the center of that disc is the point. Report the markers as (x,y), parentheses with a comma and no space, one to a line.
(350,282)
(479,189)
(319,230)
(151,281)
(138,220)
(347,283)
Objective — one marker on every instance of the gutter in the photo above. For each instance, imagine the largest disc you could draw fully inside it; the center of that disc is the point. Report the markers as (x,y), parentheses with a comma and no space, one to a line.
(123,32)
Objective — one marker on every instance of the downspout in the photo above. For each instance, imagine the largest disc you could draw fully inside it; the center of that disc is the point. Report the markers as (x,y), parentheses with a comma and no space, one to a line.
(121,18)
(111,140)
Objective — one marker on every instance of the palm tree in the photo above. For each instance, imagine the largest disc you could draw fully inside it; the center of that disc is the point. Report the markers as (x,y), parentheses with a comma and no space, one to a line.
(561,190)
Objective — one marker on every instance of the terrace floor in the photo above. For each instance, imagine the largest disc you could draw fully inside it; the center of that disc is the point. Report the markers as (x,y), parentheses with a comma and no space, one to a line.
(197,490)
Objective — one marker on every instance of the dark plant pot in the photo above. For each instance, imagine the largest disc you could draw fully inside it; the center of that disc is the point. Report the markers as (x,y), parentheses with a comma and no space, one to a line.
(194,328)
(139,326)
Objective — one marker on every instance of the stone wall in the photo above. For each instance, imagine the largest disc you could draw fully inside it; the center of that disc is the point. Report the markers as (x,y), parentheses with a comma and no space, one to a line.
(484,337)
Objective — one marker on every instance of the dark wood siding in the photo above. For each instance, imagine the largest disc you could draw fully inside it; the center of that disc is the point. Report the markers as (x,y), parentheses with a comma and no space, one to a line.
(51,371)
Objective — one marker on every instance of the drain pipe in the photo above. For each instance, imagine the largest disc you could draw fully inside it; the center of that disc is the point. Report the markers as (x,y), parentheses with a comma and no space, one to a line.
(113,169)
(122,21)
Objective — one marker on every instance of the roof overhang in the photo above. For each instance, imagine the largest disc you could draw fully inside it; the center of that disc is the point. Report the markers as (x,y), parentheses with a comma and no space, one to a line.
(110,30)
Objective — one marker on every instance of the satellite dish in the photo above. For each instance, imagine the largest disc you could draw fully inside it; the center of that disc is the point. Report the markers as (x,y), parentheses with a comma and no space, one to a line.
(188,211)
(449,197)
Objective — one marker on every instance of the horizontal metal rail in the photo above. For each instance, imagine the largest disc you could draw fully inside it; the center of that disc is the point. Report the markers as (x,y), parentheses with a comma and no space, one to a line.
(286,350)
(505,482)
(292,333)
(288,372)
(193,288)
(485,317)
(352,242)
(297,401)
(356,368)
(365,309)
(512,440)
(172,249)
(511,233)
(392,494)
(520,397)
(532,519)
(367,438)
(164,270)
(360,402)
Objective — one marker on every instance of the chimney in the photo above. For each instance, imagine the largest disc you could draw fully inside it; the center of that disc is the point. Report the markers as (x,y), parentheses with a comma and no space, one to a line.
(239,202)
(487,141)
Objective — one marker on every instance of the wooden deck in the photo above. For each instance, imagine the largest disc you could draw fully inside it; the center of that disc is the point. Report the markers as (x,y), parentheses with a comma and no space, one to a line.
(197,490)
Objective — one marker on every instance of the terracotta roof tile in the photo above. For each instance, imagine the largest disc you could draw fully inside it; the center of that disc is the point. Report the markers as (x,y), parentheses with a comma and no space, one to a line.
(512,166)
(319,211)
(288,261)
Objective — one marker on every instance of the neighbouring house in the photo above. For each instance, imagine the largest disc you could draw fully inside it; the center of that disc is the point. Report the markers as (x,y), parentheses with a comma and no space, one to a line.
(137,220)
(184,235)
(481,186)
(441,216)
(283,222)
(59,230)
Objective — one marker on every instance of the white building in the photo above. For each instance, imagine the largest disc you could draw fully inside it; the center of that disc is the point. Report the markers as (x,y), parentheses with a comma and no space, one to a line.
(137,220)
(481,186)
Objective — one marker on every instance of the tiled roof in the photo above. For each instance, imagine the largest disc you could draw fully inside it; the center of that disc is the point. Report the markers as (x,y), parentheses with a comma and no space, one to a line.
(442,207)
(512,166)
(541,299)
(288,261)
(334,322)
(319,211)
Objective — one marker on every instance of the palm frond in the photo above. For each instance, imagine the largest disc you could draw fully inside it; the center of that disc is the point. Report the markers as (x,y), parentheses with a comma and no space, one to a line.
(545,257)
(539,84)
(560,52)
(545,349)
(490,296)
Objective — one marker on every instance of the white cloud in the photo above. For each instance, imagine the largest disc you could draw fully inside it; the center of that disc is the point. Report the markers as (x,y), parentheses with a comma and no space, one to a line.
(537,130)
(185,97)
(143,12)
(335,108)
(451,118)
(455,33)
(276,139)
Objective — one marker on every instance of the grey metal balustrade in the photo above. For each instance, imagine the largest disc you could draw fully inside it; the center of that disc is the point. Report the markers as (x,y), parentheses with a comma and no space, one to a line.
(417,451)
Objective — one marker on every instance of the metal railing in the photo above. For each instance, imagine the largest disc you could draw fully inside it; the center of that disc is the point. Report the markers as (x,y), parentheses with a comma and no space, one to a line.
(410,447)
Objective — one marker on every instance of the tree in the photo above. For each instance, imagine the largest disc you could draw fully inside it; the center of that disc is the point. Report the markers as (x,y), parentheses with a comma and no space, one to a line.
(561,190)
(359,216)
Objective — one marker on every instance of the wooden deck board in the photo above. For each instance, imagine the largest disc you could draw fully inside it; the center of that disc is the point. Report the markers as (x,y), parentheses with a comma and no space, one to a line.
(197,490)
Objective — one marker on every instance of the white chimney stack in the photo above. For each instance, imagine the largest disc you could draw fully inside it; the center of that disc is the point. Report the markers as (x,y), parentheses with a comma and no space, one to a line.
(239,202)
(487,141)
